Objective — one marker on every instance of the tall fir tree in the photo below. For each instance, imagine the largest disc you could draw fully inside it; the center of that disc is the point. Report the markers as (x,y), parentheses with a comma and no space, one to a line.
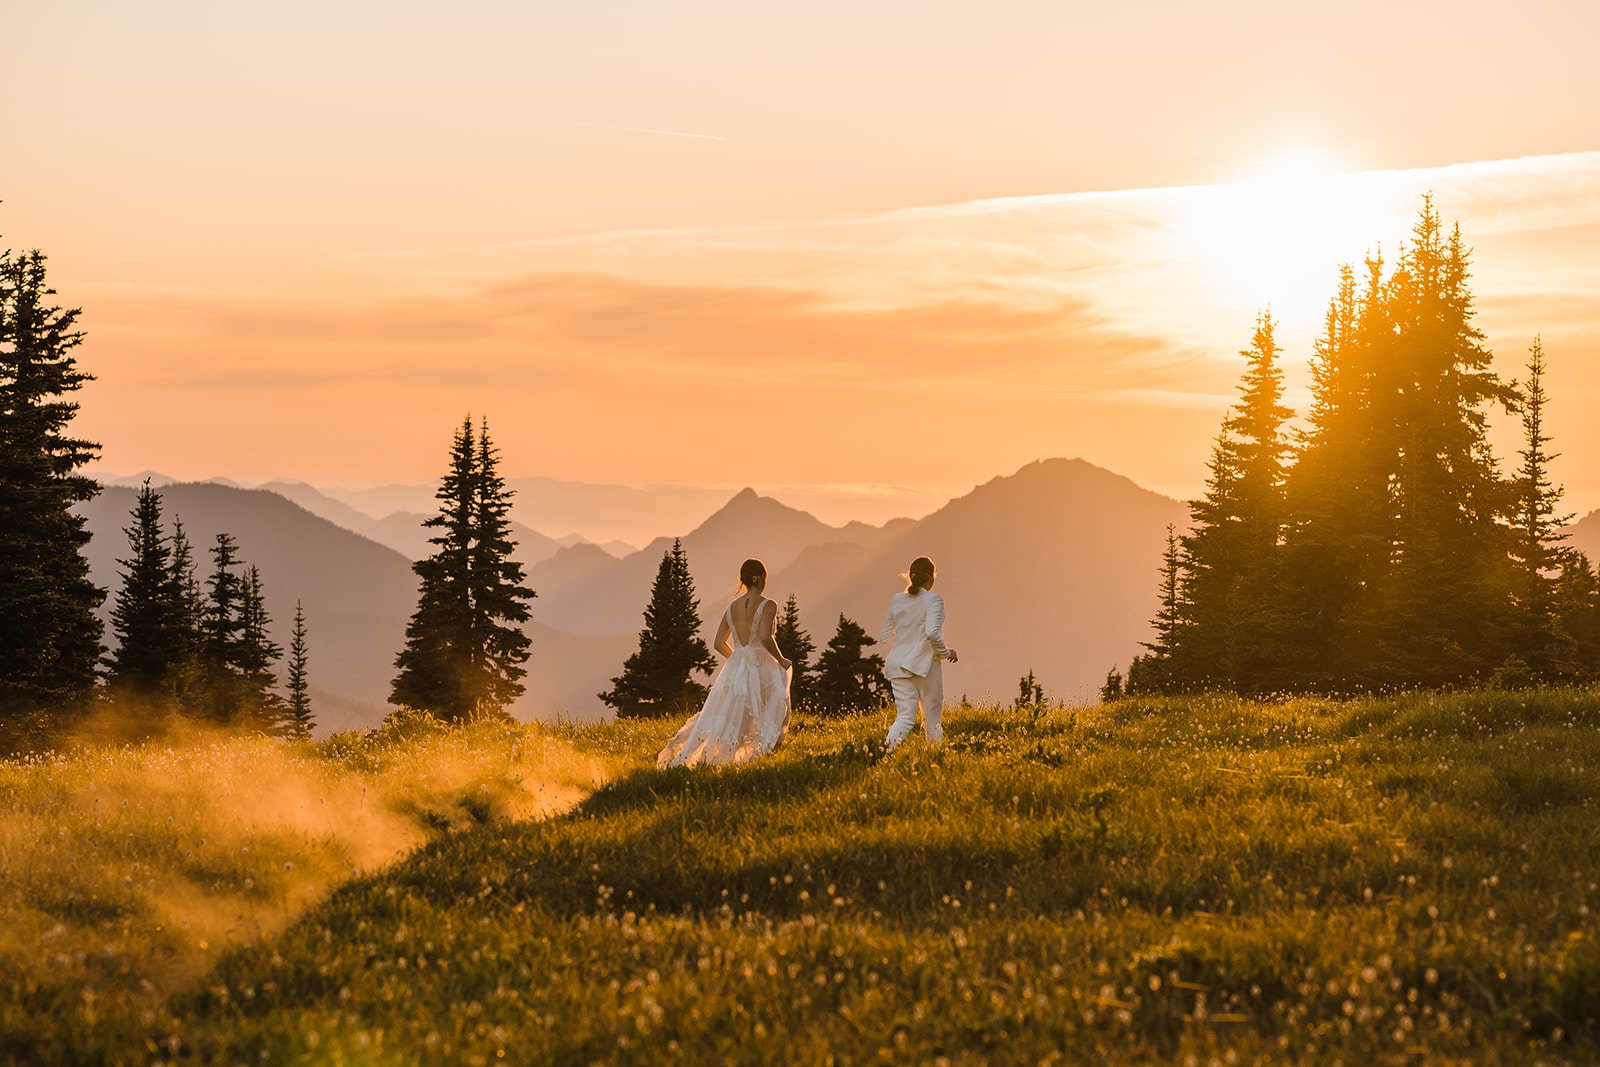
(49,632)
(299,719)
(847,680)
(144,614)
(1336,542)
(796,644)
(659,678)
(1543,642)
(464,650)
(1444,607)
(500,647)
(1231,554)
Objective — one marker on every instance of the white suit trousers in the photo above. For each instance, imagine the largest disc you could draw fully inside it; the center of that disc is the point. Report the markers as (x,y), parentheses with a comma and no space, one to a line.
(909,692)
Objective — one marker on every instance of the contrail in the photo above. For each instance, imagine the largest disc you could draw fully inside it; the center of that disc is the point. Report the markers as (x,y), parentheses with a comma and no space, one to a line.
(637,129)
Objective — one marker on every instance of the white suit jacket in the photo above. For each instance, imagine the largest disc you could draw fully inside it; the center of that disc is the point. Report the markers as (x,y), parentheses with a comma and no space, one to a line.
(913,624)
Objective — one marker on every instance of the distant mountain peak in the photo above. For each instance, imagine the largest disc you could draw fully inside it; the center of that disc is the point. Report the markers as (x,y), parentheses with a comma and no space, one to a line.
(748,506)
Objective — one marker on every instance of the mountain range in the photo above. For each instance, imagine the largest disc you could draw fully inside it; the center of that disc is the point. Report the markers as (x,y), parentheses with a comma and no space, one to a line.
(1052,569)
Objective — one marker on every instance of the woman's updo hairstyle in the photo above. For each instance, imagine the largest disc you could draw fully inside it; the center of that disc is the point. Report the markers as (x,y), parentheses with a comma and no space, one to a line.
(752,573)
(919,574)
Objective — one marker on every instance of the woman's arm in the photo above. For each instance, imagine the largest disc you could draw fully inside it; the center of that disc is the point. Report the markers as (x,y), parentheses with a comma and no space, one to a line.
(935,628)
(767,628)
(721,644)
(886,634)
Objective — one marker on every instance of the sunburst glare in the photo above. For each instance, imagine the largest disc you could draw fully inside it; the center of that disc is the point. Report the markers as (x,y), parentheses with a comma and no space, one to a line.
(1275,239)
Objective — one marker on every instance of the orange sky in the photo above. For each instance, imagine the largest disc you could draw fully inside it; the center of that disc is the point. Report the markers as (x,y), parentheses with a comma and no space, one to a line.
(716,243)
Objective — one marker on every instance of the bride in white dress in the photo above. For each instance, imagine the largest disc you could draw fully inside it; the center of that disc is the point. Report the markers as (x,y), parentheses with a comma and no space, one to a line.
(746,714)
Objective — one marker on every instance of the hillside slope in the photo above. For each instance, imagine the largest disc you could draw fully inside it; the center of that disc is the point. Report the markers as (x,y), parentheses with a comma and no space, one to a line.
(1210,880)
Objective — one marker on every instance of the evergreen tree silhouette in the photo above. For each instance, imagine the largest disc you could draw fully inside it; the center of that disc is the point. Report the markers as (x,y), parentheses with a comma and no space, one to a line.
(1337,543)
(1444,611)
(1231,554)
(255,655)
(220,683)
(499,589)
(1544,643)
(299,720)
(464,648)
(796,644)
(848,681)
(189,609)
(147,614)
(1155,670)
(659,678)
(49,633)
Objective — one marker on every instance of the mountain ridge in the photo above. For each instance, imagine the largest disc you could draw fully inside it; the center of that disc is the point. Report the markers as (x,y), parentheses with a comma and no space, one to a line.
(1052,568)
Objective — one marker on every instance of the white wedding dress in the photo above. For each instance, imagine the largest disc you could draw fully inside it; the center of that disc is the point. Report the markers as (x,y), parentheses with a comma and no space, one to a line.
(745,715)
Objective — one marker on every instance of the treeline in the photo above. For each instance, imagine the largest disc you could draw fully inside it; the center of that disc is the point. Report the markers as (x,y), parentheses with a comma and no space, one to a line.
(1380,545)
(182,646)
(200,649)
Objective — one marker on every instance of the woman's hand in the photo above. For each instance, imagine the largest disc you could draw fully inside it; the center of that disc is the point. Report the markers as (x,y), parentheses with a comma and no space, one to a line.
(950,654)
(785,663)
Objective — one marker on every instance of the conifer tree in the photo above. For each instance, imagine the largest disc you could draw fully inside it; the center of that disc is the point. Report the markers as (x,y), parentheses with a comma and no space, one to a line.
(1231,553)
(222,625)
(1443,610)
(1576,597)
(1156,671)
(188,607)
(499,589)
(796,644)
(1535,519)
(1337,539)
(144,615)
(255,655)
(299,719)
(659,678)
(433,667)
(848,681)
(1543,643)
(49,633)
(464,650)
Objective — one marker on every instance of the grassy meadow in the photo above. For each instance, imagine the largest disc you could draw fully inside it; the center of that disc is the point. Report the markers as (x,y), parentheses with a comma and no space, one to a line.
(1205,880)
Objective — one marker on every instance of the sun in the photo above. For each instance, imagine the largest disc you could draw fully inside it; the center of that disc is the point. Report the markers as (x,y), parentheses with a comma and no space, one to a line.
(1275,238)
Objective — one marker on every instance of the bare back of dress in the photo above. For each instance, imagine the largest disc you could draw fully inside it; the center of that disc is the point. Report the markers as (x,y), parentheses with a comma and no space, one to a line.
(746,713)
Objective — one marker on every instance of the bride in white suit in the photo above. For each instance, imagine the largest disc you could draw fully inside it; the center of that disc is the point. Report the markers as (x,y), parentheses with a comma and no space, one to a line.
(915,623)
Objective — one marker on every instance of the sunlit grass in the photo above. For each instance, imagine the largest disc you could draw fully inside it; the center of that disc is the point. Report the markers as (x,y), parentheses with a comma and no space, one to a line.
(1389,880)
(129,870)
